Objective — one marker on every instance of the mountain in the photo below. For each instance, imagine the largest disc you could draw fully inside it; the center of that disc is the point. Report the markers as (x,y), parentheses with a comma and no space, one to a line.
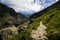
(31,6)
(50,17)
(9,17)
(37,14)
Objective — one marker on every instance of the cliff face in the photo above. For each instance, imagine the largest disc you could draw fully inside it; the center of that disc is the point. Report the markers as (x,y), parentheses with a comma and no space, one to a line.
(9,17)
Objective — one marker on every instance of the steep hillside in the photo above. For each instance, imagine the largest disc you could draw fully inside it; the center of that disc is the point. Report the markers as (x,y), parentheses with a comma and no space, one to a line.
(50,18)
(9,17)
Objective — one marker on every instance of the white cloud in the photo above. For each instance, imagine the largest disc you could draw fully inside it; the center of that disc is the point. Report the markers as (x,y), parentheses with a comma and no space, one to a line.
(25,5)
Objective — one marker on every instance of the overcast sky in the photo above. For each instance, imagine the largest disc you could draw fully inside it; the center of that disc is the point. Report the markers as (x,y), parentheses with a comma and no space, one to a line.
(28,5)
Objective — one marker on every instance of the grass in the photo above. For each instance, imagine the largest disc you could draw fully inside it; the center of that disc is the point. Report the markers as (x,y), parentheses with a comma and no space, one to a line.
(52,20)
(4,19)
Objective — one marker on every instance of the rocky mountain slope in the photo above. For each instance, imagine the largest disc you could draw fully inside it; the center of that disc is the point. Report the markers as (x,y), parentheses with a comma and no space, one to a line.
(9,17)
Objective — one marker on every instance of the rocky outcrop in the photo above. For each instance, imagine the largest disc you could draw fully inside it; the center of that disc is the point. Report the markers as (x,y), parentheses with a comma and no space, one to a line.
(6,33)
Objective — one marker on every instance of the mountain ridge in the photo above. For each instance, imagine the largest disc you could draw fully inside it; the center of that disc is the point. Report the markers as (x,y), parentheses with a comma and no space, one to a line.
(8,16)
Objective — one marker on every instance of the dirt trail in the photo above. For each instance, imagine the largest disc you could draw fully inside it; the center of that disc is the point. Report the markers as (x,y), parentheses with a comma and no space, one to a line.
(40,33)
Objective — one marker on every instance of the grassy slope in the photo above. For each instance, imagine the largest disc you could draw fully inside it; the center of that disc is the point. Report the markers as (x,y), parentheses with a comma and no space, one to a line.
(52,20)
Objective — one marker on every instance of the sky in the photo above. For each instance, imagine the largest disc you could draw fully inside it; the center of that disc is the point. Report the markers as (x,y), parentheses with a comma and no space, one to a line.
(28,6)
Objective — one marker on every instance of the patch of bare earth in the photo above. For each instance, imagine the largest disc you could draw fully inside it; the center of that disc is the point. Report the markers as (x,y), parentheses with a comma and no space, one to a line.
(40,33)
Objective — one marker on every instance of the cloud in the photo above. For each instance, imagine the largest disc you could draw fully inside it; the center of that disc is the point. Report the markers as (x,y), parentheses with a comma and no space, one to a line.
(28,5)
